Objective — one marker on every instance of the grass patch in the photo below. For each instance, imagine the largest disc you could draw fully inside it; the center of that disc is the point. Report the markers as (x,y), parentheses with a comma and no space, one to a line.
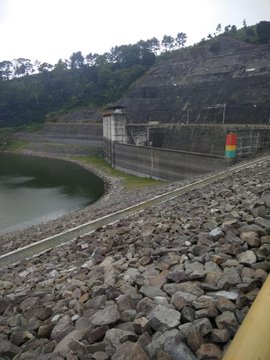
(130,182)
(16,145)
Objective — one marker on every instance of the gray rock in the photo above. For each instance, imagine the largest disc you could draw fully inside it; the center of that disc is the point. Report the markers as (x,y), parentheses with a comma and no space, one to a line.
(8,349)
(230,277)
(224,304)
(3,305)
(264,223)
(177,349)
(45,331)
(146,305)
(247,257)
(203,326)
(152,291)
(141,325)
(252,238)
(194,340)
(83,324)
(194,266)
(60,331)
(29,303)
(108,315)
(162,318)
(187,314)
(177,276)
(209,351)
(100,355)
(125,302)
(220,335)
(62,347)
(128,315)
(92,335)
(116,337)
(227,320)
(253,227)
(216,233)
(158,341)
(263,252)
(179,296)
(130,351)
(192,287)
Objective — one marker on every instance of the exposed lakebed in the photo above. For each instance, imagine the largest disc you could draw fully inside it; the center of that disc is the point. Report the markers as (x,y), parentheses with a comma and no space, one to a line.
(34,190)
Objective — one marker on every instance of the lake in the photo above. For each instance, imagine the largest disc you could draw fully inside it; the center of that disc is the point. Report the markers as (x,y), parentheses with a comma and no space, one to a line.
(35,190)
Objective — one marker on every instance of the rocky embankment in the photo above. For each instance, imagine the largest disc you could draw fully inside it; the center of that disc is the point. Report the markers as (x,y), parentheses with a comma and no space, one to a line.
(172,282)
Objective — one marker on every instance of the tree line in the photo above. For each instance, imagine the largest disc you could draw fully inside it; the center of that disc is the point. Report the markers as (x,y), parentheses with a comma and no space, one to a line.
(30,91)
(143,53)
(259,33)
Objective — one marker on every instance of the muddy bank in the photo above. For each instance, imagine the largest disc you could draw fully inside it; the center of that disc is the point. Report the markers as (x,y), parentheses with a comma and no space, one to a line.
(172,282)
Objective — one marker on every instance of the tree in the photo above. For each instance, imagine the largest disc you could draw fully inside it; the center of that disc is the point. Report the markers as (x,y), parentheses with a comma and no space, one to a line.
(76,60)
(181,39)
(151,45)
(233,29)
(44,67)
(218,29)
(227,28)
(61,65)
(6,68)
(23,67)
(167,42)
(263,31)
(91,58)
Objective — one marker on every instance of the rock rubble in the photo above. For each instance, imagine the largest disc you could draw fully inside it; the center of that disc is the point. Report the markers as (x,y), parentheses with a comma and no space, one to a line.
(172,282)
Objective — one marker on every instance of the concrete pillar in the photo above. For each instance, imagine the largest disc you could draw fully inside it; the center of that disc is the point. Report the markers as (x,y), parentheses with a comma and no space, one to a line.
(114,130)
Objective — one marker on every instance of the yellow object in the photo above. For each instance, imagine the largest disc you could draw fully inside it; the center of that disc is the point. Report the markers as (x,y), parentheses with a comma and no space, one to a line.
(230,147)
(252,340)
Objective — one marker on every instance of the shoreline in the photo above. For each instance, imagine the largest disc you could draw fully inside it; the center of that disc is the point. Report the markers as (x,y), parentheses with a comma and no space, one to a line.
(114,198)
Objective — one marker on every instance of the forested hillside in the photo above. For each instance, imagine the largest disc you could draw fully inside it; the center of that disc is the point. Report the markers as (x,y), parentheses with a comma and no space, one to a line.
(29,92)
(32,92)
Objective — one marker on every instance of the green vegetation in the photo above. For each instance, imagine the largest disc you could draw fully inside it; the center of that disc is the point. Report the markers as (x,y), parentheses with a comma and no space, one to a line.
(35,92)
(130,182)
(16,145)
(256,34)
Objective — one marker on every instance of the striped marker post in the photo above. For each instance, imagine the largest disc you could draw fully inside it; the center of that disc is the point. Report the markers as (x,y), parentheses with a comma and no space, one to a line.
(230,151)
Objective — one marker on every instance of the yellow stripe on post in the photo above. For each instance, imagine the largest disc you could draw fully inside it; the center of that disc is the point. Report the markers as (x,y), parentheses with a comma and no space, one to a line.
(252,340)
(230,147)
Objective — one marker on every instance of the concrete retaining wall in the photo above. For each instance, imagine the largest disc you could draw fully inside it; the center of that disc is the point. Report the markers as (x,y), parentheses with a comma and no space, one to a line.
(164,163)
(206,139)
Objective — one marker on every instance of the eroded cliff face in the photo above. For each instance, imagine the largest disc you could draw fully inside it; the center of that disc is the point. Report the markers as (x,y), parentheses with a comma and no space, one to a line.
(223,81)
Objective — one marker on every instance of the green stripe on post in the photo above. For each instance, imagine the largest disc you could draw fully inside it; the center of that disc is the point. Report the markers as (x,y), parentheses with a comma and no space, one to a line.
(230,154)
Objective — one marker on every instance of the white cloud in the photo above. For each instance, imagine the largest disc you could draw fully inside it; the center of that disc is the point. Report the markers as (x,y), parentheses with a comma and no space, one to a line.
(53,29)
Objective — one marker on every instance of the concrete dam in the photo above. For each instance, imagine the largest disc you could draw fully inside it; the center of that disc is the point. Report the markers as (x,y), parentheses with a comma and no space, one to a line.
(174,122)
(175,151)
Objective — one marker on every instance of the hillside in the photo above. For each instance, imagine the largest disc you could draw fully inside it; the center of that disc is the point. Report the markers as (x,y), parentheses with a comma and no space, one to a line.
(223,79)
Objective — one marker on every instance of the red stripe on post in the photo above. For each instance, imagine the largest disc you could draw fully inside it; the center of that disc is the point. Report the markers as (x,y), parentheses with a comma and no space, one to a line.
(231,139)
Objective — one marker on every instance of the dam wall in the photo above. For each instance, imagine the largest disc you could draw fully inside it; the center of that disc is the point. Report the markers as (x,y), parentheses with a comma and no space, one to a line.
(176,151)
(164,164)
(202,138)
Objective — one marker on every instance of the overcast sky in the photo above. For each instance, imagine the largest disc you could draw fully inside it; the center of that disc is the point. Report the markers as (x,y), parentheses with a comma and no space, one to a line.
(48,30)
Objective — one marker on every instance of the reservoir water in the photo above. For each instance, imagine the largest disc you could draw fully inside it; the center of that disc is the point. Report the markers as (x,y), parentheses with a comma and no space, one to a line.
(35,190)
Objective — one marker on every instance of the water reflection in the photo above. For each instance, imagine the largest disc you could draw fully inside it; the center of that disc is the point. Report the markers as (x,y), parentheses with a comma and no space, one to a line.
(33,190)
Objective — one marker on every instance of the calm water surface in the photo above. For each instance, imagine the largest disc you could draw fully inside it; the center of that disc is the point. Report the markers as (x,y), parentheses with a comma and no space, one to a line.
(34,190)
